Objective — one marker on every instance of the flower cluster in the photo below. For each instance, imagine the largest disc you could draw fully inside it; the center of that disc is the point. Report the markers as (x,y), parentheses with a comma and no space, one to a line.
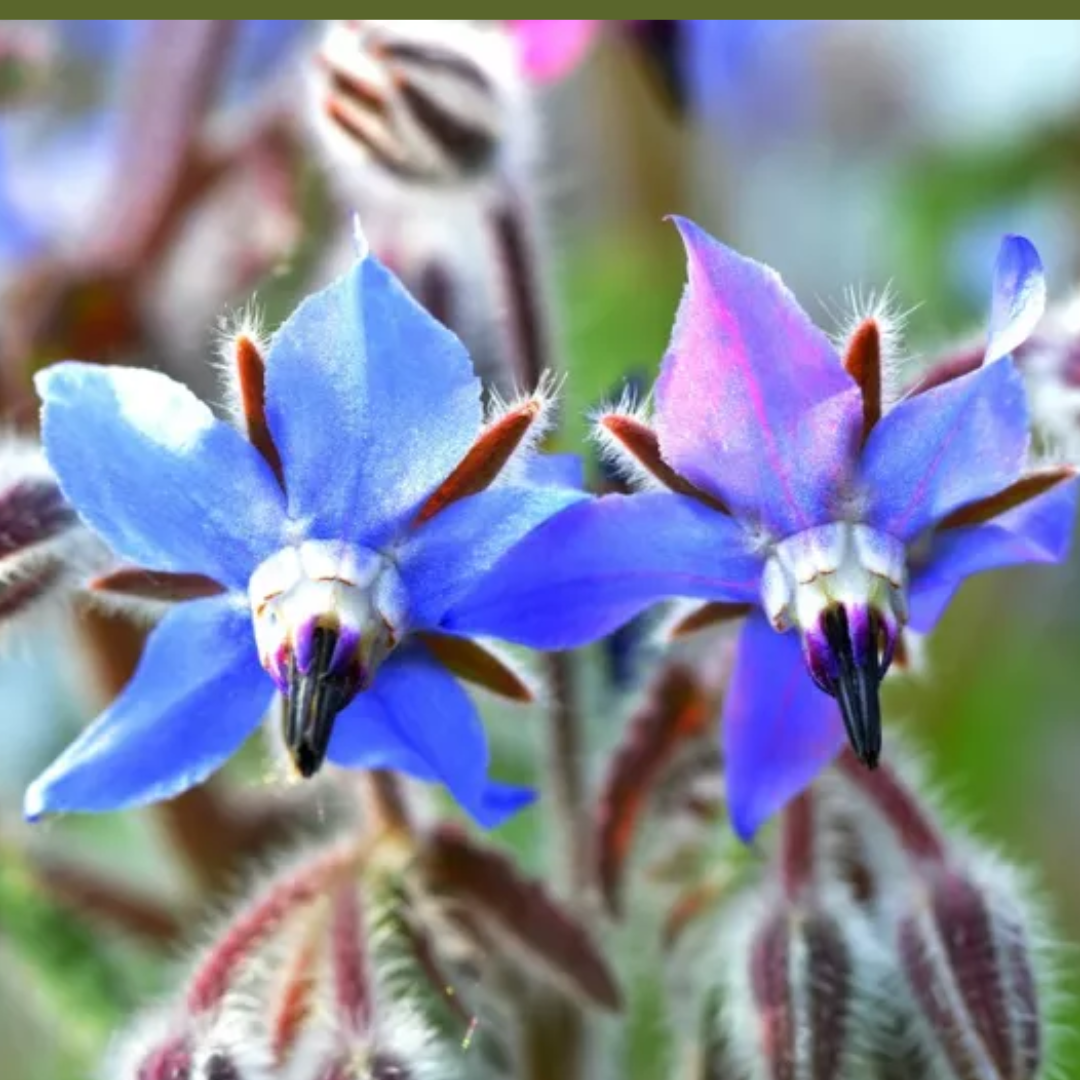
(381,510)
(794,498)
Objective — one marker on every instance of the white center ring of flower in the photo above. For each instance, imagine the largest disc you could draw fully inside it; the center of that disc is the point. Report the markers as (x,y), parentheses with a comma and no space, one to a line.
(837,564)
(352,590)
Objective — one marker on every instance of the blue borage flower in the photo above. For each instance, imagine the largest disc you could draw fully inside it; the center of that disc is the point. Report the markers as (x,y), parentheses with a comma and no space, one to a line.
(794,498)
(328,549)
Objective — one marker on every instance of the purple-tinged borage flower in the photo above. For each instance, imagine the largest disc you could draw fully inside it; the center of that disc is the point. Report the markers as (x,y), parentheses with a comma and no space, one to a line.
(326,549)
(793,497)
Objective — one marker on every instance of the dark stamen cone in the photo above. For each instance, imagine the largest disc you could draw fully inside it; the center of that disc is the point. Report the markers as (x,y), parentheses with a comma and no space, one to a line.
(862,358)
(472,662)
(1028,487)
(251,378)
(856,688)
(314,700)
(968,967)
(642,444)
(485,459)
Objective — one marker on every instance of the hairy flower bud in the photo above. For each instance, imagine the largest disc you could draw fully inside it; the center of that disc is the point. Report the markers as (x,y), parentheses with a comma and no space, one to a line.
(805,966)
(427,103)
(44,548)
(796,990)
(967,960)
(961,936)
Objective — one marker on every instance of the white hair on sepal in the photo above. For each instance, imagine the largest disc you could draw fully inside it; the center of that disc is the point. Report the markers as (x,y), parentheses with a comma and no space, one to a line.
(237,1032)
(884,308)
(128,1049)
(613,452)
(248,322)
(545,399)
(141,610)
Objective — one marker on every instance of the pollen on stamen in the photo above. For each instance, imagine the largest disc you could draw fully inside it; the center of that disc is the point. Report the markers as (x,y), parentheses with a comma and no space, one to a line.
(604,422)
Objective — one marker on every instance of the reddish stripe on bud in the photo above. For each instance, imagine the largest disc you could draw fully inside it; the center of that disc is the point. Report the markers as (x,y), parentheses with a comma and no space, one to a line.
(485,459)
(711,614)
(642,443)
(969,971)
(294,1003)
(829,981)
(341,116)
(349,962)
(915,831)
(156,584)
(800,979)
(256,923)
(351,87)
(473,663)
(770,983)
(797,845)
(493,891)
(677,709)
(1027,487)
(251,378)
(862,359)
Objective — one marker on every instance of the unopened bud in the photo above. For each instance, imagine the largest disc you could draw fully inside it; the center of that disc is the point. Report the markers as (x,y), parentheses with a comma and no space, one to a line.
(44,549)
(800,969)
(425,103)
(967,960)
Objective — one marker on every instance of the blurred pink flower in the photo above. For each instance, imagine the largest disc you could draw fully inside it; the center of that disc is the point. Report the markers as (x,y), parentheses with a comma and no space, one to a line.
(552,48)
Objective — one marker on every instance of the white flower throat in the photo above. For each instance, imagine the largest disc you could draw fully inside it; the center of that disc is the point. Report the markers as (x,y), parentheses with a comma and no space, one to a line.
(325,614)
(843,586)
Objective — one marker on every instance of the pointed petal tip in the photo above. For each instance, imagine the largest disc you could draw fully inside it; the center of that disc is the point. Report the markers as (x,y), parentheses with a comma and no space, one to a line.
(1018,296)
(46,377)
(360,240)
(35,806)
(690,232)
(500,802)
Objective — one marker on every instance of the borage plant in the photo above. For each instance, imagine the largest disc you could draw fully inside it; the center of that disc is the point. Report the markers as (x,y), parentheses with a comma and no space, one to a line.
(351,541)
